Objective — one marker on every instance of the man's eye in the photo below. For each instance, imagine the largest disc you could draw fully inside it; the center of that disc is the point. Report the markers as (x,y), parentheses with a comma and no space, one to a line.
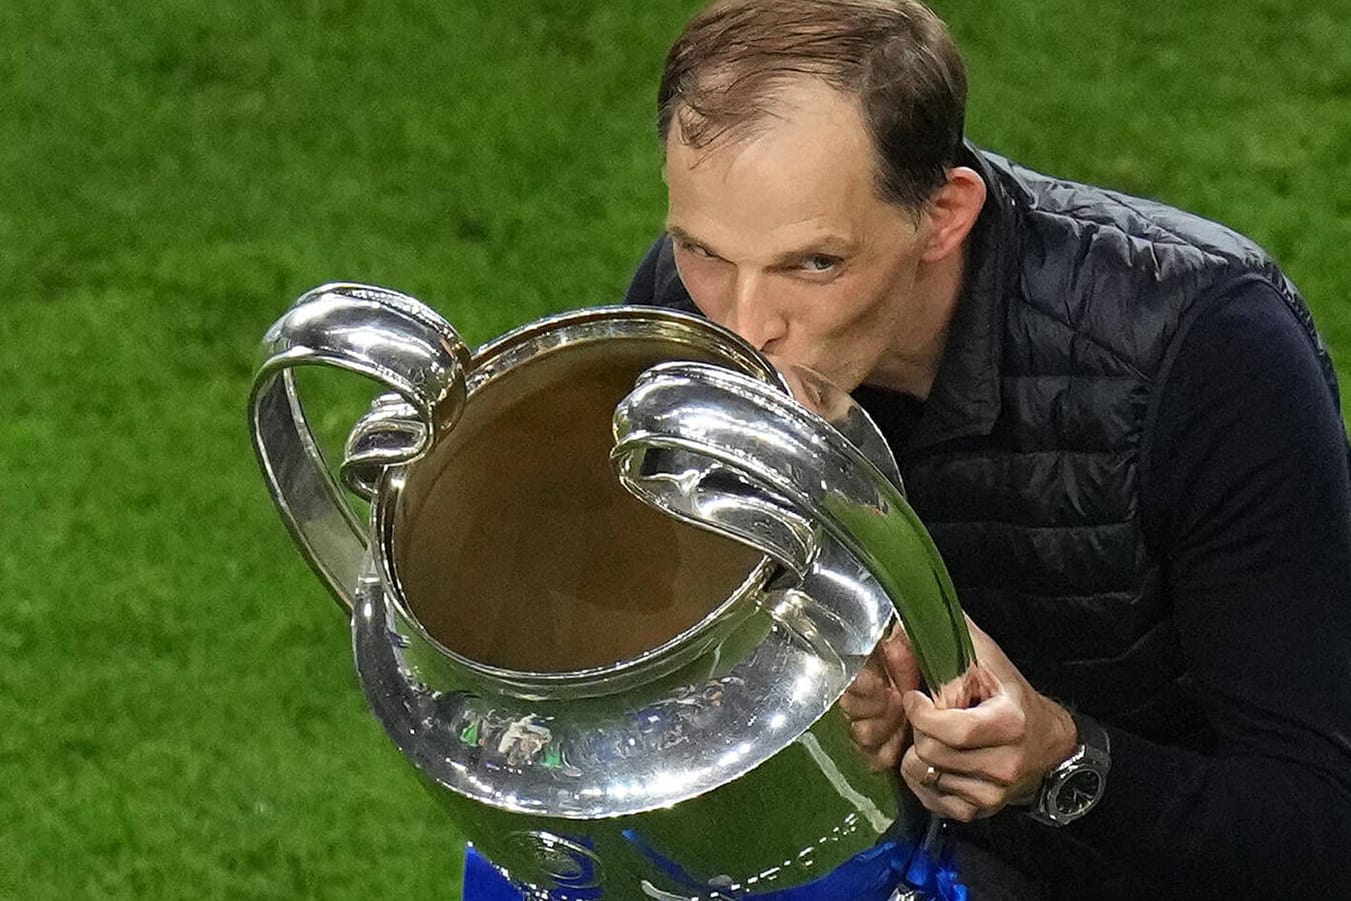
(820,263)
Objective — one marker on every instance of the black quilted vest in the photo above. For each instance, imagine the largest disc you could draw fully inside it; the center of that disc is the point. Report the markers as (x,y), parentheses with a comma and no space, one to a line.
(1026,463)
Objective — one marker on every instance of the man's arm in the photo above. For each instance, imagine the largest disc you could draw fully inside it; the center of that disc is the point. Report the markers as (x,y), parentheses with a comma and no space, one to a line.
(1246,497)
(1246,492)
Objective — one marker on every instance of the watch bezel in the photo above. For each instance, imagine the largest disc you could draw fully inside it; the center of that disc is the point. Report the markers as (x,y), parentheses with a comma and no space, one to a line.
(1088,758)
(1056,793)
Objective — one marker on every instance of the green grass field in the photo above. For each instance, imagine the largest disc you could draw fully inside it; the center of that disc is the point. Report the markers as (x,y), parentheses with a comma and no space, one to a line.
(180,718)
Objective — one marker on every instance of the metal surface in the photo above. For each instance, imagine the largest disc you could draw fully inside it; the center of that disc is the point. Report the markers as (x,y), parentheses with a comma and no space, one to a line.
(664,727)
(697,441)
(386,336)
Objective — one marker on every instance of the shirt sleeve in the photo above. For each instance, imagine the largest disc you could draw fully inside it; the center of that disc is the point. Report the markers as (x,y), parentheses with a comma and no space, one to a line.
(1245,495)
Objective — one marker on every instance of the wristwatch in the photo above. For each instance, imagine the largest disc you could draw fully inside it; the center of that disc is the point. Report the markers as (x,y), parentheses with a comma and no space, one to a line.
(1074,787)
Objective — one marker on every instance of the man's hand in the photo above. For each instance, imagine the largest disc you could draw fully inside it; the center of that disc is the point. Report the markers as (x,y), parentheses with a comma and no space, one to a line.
(990,738)
(874,701)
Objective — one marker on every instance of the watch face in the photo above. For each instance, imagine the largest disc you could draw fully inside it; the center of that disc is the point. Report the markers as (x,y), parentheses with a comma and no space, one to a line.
(1078,792)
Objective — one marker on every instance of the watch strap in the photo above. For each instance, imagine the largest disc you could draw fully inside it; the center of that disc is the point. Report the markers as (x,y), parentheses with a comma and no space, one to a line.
(1093,739)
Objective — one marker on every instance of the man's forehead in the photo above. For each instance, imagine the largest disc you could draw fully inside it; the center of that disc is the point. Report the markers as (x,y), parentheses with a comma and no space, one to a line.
(797,98)
(795,167)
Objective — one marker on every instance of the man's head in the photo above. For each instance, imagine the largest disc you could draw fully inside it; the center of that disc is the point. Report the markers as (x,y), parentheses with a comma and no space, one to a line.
(725,73)
(815,201)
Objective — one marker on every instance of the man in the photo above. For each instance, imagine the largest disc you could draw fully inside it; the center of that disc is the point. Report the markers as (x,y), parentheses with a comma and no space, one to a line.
(1116,420)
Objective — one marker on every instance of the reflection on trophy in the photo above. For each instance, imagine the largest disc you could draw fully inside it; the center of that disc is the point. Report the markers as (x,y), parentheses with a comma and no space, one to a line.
(613,582)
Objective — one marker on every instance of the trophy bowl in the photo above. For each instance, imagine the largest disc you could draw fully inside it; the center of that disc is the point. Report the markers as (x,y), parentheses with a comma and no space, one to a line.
(613,581)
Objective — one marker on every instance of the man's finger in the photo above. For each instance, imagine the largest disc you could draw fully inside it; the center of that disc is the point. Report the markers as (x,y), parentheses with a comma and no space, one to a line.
(900,662)
(996,767)
(996,721)
(888,757)
(928,786)
(975,685)
(872,733)
(885,755)
(870,694)
(870,680)
(859,706)
(960,797)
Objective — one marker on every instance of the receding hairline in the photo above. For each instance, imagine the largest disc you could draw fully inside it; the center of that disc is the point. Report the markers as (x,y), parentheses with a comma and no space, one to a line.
(895,58)
(771,105)
(775,107)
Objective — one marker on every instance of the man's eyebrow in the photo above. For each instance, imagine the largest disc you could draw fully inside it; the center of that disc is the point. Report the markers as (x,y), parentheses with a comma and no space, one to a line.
(684,237)
(830,245)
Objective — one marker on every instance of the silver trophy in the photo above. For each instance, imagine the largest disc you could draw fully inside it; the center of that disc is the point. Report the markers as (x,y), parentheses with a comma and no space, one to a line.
(613,581)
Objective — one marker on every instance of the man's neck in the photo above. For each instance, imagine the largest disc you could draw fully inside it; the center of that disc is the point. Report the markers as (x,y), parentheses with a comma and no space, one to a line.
(914,372)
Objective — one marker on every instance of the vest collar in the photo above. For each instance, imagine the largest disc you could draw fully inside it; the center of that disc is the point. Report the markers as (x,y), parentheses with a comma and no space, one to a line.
(964,401)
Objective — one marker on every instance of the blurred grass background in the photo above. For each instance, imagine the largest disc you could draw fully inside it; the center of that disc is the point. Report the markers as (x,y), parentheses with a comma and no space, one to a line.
(180,719)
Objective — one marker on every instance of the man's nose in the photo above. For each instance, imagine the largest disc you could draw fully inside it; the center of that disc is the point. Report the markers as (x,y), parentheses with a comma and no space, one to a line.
(756,314)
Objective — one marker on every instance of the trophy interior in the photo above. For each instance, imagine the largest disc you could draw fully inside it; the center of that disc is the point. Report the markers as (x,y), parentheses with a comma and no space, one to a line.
(514,543)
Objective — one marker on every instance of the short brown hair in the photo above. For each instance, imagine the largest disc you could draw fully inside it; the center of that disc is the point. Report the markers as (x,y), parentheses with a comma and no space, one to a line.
(896,56)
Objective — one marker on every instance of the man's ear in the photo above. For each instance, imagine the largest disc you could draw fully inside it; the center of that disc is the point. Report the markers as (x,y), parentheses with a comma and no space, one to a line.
(952,212)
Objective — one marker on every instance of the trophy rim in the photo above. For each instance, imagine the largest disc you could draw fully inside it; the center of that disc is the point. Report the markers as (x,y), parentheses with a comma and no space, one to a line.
(493,360)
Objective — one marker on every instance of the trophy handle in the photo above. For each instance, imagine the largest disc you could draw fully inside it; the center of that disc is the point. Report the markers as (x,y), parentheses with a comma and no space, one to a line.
(389,337)
(738,456)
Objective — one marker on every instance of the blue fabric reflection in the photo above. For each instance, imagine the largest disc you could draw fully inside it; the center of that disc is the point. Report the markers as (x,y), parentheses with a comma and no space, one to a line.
(870,876)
